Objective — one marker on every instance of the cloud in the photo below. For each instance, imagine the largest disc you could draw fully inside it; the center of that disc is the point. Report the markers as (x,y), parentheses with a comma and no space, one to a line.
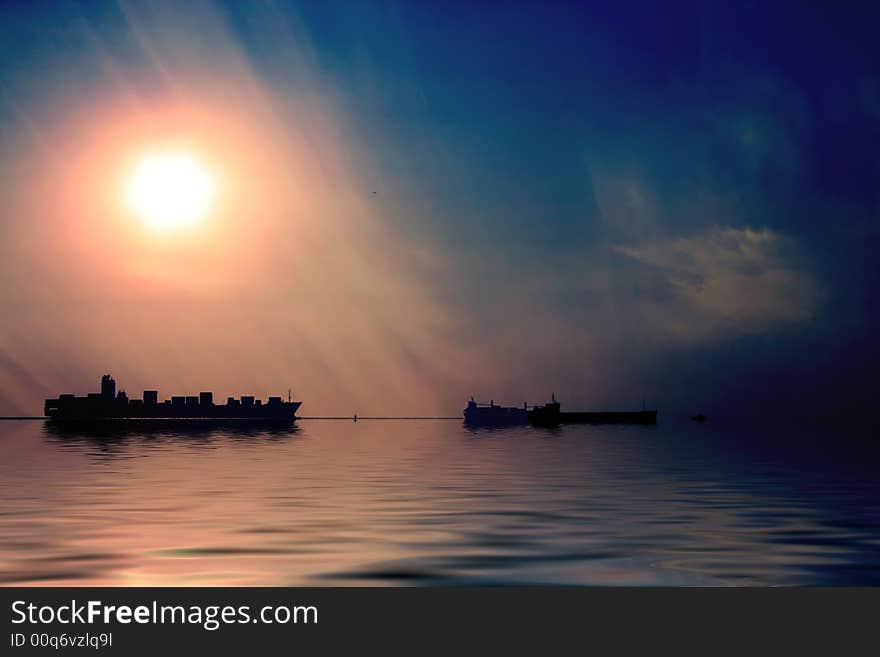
(723,281)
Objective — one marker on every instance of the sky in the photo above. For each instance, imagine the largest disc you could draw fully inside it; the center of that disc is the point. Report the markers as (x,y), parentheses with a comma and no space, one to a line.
(420,202)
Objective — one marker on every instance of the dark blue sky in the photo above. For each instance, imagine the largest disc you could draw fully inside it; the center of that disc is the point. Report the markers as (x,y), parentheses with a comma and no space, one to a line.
(679,198)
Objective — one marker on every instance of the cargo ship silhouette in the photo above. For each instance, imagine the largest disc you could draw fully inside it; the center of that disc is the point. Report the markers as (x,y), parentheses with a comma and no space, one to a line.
(110,405)
(549,414)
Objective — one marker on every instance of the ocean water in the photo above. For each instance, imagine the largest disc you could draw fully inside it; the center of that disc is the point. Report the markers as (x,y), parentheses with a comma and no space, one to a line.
(429,502)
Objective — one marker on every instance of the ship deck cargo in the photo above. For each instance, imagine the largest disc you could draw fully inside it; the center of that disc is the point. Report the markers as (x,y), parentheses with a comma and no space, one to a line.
(110,406)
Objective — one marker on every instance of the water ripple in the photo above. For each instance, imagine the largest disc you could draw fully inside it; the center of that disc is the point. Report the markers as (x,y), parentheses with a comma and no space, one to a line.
(432,503)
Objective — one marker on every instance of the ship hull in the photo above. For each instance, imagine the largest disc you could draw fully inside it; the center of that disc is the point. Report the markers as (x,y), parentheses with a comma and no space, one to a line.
(550,415)
(111,429)
(282,413)
(159,423)
(609,417)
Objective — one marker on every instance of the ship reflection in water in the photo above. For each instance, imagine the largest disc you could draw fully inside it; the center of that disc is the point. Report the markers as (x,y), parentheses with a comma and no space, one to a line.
(435,503)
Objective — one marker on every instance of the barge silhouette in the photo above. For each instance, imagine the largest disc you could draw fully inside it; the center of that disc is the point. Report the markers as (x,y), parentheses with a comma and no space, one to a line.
(549,414)
(110,406)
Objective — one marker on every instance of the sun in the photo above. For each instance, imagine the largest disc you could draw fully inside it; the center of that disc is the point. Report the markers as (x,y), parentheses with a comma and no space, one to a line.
(170,190)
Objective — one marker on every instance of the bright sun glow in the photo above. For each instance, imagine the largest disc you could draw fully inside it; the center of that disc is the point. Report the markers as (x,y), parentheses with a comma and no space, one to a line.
(170,190)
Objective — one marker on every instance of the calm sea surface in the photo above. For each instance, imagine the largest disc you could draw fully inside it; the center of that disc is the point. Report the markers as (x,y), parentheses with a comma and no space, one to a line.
(432,503)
